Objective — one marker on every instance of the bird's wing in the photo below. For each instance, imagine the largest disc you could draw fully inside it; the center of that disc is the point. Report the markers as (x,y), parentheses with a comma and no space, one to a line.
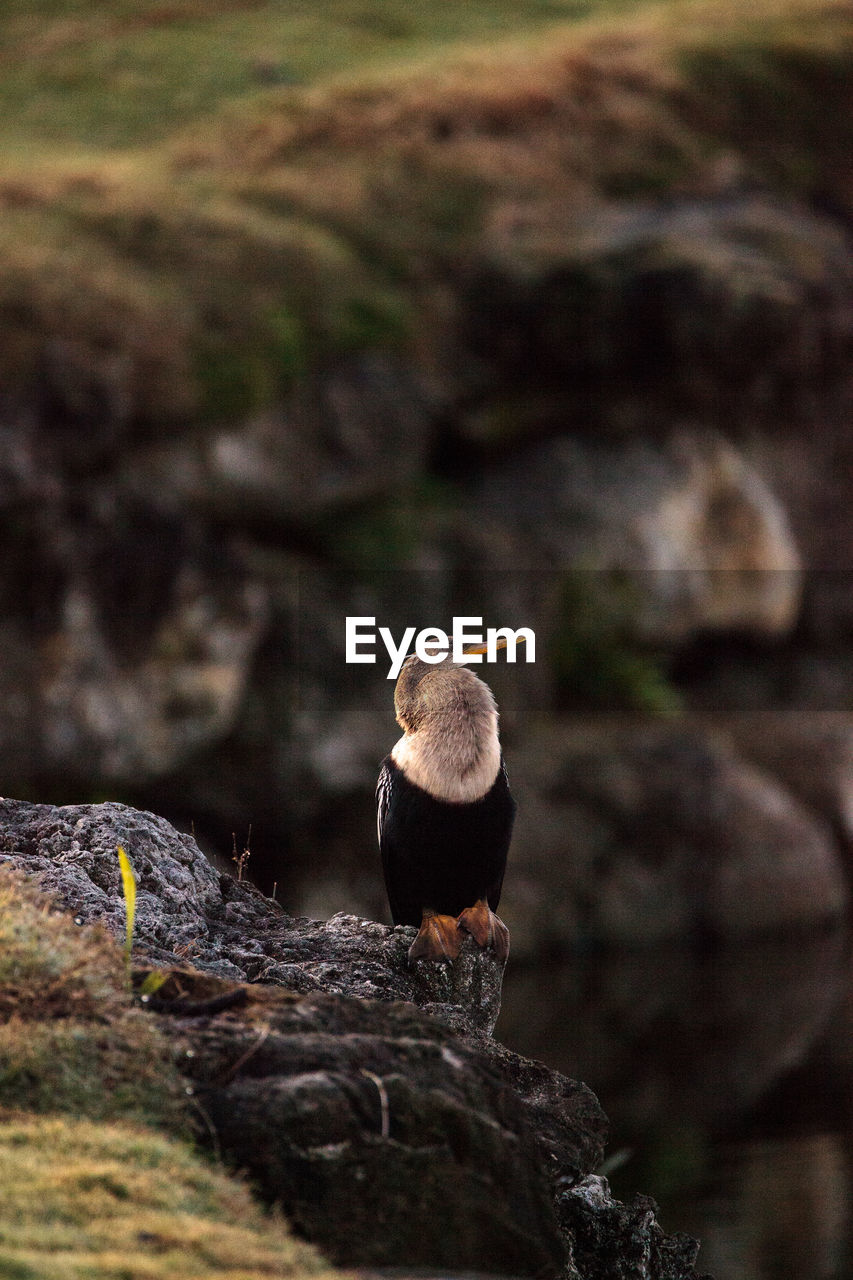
(383,799)
(385,788)
(494,892)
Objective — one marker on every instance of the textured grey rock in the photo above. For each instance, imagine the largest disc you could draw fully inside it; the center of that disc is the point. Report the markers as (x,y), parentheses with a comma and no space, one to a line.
(381,1134)
(613,1241)
(187,911)
(72,852)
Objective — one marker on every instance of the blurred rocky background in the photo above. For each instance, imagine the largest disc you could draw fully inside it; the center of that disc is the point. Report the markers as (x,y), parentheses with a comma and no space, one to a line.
(542,313)
(555,334)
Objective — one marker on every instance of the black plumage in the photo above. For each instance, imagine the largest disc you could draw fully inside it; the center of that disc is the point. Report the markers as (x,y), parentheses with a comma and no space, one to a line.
(445,811)
(439,854)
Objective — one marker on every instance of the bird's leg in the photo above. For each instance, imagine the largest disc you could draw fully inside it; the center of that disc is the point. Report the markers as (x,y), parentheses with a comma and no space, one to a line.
(438,938)
(485,928)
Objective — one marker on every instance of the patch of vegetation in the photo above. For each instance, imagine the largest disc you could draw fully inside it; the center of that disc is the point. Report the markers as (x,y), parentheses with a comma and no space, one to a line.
(772,95)
(87,1189)
(131,317)
(598,658)
(388,532)
(205,213)
(232,381)
(118,74)
(107,1202)
(71,1039)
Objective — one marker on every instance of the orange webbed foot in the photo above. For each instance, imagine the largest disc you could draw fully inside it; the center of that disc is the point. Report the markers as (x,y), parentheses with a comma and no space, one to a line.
(487,929)
(438,938)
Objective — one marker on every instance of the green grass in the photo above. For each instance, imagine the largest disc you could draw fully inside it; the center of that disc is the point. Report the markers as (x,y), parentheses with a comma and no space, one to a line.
(89,1190)
(128,72)
(71,1038)
(206,200)
(87,1201)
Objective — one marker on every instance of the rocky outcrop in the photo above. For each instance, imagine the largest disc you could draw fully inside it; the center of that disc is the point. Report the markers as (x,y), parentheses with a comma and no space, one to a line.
(619,1241)
(356,435)
(188,911)
(390,1134)
(384,1138)
(700,538)
(651,833)
(810,753)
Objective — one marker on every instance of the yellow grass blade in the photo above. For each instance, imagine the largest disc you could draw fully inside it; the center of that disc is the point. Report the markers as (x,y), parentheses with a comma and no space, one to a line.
(128,881)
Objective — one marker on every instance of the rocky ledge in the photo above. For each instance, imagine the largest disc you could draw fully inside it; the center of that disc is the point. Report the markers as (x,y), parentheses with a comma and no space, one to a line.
(367,1100)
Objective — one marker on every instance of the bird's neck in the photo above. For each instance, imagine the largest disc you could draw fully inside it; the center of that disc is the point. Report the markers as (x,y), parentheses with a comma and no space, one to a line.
(455,756)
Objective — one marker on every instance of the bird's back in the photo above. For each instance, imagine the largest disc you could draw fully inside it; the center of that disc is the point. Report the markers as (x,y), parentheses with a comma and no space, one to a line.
(441,854)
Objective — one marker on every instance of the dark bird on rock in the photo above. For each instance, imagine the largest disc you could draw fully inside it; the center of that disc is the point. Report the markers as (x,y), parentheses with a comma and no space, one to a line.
(445,811)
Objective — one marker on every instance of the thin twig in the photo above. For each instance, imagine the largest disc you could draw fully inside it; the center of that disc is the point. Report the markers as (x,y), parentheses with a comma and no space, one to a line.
(241,1062)
(197,1008)
(384,1107)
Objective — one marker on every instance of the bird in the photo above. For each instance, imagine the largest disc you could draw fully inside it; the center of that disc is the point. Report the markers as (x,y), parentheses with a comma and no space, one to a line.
(444,810)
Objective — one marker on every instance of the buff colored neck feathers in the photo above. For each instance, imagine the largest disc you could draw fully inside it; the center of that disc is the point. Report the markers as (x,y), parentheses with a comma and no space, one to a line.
(450,746)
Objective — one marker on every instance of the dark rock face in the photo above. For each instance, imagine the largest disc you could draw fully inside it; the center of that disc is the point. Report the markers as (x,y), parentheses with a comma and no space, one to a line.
(718,307)
(388,1135)
(612,1241)
(370,1123)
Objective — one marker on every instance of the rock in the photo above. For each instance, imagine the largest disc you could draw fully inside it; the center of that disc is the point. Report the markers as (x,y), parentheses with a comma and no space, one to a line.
(810,753)
(616,1241)
(72,852)
(355,434)
(703,542)
(129,643)
(729,311)
(384,1137)
(389,1137)
(133,721)
(650,832)
(186,910)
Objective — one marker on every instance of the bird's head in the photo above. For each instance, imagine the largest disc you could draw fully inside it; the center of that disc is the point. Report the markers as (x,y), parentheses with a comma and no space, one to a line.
(427,691)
